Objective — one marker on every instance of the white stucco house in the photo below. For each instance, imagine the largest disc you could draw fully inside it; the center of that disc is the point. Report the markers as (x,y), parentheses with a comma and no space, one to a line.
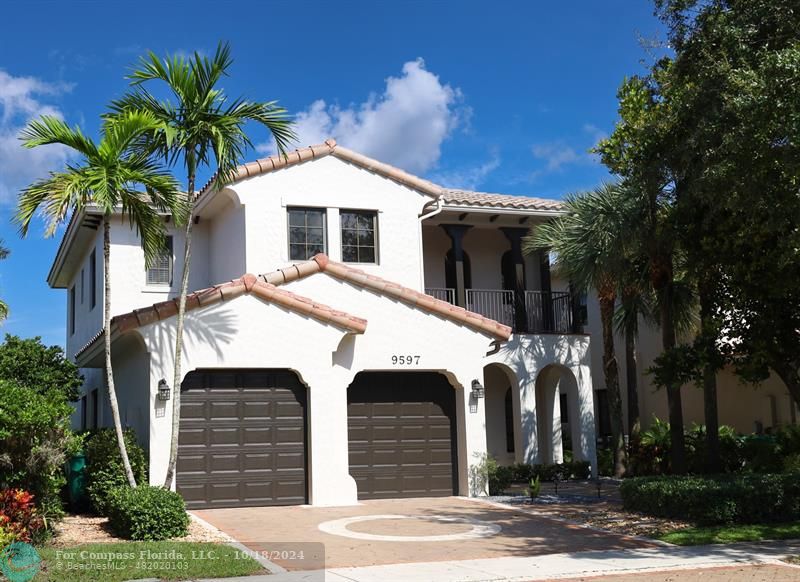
(355,332)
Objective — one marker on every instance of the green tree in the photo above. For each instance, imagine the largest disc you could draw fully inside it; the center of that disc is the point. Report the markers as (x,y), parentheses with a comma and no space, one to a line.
(108,177)
(590,244)
(31,364)
(3,305)
(631,152)
(733,88)
(199,127)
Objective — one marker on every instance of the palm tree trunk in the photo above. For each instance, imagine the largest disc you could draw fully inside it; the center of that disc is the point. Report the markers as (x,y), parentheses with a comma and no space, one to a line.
(611,372)
(178,376)
(710,411)
(632,381)
(677,439)
(112,392)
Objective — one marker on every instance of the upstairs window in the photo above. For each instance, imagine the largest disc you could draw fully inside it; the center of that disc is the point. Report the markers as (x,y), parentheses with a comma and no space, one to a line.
(93,278)
(72,310)
(307,235)
(160,272)
(359,236)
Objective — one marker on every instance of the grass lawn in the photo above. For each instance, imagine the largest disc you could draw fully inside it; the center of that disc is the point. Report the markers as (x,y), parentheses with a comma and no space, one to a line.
(726,534)
(133,560)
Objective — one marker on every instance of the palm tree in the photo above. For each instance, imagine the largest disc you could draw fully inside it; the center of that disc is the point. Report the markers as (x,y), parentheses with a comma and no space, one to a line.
(590,242)
(3,305)
(109,177)
(199,127)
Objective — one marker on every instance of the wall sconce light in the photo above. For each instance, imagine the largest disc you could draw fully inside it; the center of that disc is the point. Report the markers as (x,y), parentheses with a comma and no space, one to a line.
(477,390)
(163,390)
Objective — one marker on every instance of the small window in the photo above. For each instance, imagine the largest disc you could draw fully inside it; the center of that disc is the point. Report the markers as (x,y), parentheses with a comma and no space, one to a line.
(93,278)
(94,401)
(307,235)
(83,413)
(72,310)
(359,236)
(160,272)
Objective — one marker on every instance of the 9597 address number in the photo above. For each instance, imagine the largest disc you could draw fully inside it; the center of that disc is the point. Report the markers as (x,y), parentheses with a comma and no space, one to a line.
(405,360)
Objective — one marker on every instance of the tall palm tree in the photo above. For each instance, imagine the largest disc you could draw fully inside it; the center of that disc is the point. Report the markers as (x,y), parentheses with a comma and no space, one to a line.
(199,127)
(589,242)
(3,305)
(109,176)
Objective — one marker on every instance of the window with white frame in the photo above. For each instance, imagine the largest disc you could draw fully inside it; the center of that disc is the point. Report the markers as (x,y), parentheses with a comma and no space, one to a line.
(359,236)
(307,235)
(160,271)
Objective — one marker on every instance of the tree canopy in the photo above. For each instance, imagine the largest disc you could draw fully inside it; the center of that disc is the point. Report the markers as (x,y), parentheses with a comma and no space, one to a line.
(31,364)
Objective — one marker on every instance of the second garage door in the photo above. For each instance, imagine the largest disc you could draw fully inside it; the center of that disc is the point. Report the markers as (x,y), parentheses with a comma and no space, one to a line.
(402,435)
(242,439)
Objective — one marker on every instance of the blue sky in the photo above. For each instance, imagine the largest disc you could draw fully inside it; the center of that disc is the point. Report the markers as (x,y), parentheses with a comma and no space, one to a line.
(494,96)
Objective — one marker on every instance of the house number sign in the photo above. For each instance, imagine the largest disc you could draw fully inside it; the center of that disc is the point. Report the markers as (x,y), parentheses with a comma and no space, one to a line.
(405,360)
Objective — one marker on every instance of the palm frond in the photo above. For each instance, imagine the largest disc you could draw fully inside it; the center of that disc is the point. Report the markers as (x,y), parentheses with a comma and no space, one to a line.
(49,130)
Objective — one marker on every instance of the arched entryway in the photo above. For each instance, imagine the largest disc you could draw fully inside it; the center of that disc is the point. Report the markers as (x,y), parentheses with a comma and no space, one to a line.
(558,422)
(502,414)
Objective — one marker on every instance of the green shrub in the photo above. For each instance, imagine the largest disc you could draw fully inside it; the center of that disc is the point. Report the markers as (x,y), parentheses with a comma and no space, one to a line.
(147,513)
(500,478)
(522,472)
(716,500)
(35,441)
(104,470)
(788,439)
(761,454)
(30,364)
(534,487)
(605,462)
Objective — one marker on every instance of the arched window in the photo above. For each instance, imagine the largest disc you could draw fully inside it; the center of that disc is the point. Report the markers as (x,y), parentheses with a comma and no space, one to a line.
(509,422)
(450,271)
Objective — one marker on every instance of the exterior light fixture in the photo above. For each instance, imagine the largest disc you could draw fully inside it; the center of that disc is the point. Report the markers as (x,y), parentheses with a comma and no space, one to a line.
(477,390)
(163,390)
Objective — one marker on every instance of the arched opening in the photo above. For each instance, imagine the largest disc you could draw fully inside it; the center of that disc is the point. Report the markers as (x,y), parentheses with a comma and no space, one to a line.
(557,415)
(502,413)
(450,271)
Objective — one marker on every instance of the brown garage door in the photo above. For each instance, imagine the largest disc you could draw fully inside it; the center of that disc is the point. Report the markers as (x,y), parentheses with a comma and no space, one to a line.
(242,439)
(402,433)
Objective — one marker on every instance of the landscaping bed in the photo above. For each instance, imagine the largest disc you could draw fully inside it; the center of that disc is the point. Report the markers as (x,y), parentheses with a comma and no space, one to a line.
(726,534)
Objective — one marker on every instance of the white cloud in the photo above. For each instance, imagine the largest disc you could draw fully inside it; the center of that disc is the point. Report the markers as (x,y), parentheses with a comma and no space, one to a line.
(469,178)
(21,99)
(555,155)
(405,125)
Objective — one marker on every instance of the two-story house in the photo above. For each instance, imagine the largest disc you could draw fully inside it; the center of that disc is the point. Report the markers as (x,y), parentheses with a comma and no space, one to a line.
(355,332)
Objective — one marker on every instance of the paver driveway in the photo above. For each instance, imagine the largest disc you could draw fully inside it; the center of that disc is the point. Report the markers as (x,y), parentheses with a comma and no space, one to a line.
(462,530)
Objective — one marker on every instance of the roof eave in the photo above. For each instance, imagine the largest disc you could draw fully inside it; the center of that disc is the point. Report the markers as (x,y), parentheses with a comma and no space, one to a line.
(487,209)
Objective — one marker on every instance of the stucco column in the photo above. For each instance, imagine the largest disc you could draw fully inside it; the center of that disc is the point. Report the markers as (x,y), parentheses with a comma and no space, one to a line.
(329,477)
(471,424)
(586,448)
(514,236)
(456,233)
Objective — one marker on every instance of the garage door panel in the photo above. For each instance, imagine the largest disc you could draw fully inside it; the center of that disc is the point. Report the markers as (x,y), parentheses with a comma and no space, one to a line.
(401,432)
(244,440)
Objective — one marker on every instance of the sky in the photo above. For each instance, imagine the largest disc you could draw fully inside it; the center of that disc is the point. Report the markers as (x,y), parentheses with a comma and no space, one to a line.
(497,96)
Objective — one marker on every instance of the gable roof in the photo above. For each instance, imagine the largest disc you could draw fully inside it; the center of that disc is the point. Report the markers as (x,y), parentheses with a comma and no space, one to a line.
(328,148)
(321,263)
(331,148)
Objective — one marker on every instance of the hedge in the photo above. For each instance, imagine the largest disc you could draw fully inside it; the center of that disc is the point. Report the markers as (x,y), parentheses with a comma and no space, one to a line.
(104,469)
(712,500)
(147,513)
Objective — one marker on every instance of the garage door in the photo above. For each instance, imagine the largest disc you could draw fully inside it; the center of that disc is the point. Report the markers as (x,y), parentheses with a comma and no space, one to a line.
(242,439)
(402,433)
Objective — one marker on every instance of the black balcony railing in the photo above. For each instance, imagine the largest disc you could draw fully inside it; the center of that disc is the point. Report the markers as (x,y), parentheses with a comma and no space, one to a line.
(545,311)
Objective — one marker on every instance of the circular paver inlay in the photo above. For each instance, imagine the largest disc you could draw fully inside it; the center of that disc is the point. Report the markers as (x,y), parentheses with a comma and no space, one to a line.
(478,529)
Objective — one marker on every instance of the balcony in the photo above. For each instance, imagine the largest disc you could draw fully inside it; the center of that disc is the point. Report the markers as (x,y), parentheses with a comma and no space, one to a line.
(543,311)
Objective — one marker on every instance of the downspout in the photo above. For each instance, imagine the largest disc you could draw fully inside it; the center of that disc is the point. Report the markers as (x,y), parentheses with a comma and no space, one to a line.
(439,207)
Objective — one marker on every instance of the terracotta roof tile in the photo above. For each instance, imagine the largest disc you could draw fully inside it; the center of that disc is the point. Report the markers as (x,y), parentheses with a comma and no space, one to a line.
(329,148)
(469,198)
(246,284)
(321,263)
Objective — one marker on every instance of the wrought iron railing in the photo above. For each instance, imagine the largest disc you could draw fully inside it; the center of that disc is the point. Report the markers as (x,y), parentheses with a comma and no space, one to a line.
(492,303)
(442,293)
(549,311)
(544,311)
